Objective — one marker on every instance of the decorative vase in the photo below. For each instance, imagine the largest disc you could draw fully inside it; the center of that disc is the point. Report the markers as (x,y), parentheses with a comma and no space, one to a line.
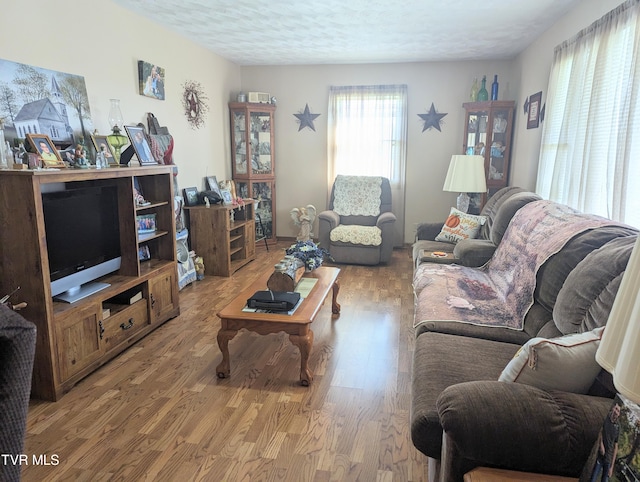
(482,93)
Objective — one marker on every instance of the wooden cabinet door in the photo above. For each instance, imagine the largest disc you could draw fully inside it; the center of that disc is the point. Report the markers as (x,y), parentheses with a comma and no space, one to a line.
(163,296)
(78,340)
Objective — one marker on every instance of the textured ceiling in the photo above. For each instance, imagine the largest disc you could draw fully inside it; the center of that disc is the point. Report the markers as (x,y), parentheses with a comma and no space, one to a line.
(286,32)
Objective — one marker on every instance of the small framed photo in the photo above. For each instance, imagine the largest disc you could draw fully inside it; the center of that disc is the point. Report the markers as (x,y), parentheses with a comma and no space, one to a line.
(140,145)
(190,196)
(143,253)
(146,223)
(227,198)
(212,185)
(46,150)
(533,116)
(101,143)
(228,185)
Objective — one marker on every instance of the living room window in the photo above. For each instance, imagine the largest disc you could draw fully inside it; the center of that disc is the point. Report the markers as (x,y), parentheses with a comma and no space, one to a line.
(590,151)
(368,136)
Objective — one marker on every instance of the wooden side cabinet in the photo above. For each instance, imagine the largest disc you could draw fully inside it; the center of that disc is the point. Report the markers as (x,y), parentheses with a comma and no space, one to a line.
(488,132)
(224,235)
(253,160)
(74,339)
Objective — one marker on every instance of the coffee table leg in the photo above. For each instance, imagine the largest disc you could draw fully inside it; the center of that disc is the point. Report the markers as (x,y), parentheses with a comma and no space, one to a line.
(304,344)
(224,368)
(335,306)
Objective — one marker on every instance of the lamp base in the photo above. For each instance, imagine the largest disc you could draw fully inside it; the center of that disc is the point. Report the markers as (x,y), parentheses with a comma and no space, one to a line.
(462,202)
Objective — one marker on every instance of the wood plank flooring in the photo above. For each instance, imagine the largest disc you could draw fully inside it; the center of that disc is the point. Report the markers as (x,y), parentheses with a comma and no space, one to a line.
(158,412)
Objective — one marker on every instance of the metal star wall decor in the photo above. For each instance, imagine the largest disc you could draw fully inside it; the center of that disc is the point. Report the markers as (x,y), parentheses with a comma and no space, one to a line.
(431,119)
(306,119)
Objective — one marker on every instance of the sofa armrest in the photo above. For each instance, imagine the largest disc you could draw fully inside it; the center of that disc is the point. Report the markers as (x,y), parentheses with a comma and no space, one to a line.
(327,220)
(428,231)
(331,217)
(473,252)
(518,427)
(385,218)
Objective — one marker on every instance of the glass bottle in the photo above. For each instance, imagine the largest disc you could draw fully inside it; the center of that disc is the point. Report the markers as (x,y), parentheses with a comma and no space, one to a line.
(494,88)
(482,93)
(474,90)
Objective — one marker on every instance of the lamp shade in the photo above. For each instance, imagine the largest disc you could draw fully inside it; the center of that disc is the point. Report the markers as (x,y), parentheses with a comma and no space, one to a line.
(465,174)
(619,350)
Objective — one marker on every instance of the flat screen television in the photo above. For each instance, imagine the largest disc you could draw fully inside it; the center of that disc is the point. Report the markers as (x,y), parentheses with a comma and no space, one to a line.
(83,239)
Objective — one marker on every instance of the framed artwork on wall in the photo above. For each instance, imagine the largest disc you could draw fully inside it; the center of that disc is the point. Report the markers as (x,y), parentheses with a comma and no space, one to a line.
(533,116)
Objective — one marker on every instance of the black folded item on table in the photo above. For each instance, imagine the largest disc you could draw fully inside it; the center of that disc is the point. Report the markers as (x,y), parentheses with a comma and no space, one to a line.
(274,300)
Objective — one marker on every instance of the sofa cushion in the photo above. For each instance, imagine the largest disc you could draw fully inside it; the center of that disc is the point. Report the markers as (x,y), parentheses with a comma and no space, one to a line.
(586,298)
(567,363)
(553,273)
(506,211)
(442,360)
(460,225)
(493,204)
(354,234)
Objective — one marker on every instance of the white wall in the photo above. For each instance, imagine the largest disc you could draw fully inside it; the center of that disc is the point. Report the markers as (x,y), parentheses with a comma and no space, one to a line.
(103,42)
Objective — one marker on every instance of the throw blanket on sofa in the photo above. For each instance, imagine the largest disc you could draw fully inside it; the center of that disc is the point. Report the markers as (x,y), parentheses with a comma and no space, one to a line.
(357,195)
(501,292)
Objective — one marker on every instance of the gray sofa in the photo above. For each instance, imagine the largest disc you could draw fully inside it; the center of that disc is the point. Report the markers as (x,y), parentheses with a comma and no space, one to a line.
(499,210)
(352,253)
(17,349)
(462,417)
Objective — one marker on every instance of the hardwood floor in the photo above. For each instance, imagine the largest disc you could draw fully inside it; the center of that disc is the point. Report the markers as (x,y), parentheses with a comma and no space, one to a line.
(158,412)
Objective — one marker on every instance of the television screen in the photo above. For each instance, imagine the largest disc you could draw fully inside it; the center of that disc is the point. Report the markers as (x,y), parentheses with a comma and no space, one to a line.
(82,234)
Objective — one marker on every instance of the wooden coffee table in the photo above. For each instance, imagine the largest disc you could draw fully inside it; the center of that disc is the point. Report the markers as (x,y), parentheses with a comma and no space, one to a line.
(296,325)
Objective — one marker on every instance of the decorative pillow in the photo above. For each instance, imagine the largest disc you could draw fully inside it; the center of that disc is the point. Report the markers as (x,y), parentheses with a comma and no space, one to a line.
(566,363)
(460,226)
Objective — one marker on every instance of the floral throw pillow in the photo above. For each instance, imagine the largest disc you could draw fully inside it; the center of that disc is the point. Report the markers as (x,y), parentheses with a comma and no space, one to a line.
(459,226)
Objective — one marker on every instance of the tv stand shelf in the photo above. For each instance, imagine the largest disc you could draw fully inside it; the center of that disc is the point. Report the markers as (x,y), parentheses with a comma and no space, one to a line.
(74,339)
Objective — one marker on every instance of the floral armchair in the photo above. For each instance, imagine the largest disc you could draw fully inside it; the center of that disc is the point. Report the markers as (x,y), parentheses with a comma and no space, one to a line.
(358,226)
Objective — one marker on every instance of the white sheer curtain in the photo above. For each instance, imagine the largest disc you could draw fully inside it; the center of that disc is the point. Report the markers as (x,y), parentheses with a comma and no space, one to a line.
(368,137)
(590,152)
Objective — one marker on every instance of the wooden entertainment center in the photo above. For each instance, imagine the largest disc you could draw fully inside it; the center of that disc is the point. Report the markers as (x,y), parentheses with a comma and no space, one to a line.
(74,339)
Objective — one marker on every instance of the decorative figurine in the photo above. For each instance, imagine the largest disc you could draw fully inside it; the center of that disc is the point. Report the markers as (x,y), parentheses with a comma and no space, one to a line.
(304,218)
(80,157)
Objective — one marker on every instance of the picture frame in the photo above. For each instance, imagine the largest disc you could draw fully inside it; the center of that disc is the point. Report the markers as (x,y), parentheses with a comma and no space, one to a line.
(101,143)
(212,185)
(190,196)
(227,198)
(229,185)
(146,223)
(143,253)
(533,114)
(140,145)
(47,152)
(150,80)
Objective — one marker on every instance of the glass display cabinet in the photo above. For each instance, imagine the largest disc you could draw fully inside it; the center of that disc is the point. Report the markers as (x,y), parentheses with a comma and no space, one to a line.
(253,161)
(488,132)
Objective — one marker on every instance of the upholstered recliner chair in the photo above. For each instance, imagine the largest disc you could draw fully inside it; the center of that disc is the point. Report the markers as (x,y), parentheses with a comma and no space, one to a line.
(357,228)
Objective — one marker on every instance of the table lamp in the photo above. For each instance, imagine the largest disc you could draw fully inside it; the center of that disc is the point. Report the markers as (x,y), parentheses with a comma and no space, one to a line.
(619,350)
(117,139)
(465,174)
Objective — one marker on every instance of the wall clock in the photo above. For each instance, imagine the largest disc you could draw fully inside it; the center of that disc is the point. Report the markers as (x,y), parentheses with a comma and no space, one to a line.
(194,102)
